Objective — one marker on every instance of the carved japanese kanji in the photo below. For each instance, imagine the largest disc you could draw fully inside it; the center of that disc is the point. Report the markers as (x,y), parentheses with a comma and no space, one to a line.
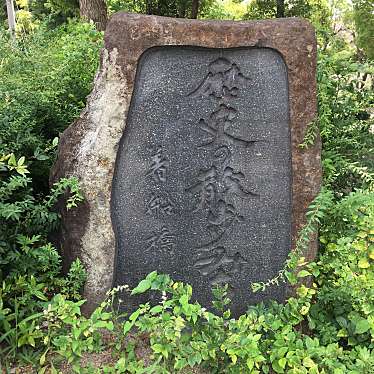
(159,204)
(159,166)
(162,240)
(216,187)
(222,81)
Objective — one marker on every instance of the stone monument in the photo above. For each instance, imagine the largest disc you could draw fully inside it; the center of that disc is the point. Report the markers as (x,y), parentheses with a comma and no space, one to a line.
(188,155)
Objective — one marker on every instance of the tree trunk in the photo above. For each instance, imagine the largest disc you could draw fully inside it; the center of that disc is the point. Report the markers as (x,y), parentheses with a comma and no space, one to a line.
(11,17)
(94,10)
(280,8)
(195,9)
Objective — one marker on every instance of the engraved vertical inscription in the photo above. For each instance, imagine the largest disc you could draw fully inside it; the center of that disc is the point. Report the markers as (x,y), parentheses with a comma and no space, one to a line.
(159,204)
(202,181)
(216,186)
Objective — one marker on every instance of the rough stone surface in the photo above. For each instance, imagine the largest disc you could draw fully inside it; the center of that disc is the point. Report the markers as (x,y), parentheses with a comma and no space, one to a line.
(89,147)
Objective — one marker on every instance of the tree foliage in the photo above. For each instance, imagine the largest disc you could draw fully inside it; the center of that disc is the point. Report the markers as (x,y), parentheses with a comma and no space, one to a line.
(168,8)
(46,77)
(363,14)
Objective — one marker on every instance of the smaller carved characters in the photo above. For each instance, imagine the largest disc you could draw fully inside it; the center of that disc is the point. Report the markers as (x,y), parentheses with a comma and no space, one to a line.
(159,166)
(159,204)
(161,241)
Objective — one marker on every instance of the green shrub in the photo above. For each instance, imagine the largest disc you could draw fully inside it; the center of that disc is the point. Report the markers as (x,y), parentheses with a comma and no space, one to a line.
(181,334)
(45,78)
(30,267)
(344,308)
(345,97)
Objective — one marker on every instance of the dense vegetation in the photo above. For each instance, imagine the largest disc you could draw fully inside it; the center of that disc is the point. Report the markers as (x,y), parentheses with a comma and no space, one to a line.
(328,327)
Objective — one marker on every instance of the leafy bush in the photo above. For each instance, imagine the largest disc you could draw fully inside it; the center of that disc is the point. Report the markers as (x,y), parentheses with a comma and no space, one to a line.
(346,121)
(345,97)
(29,265)
(54,12)
(182,334)
(363,15)
(317,11)
(46,77)
(344,307)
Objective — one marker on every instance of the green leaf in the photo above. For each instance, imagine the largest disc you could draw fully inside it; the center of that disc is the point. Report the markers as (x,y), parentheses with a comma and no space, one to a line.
(151,276)
(308,362)
(53,369)
(342,321)
(250,363)
(156,309)
(143,286)
(127,327)
(276,367)
(121,364)
(180,363)
(12,160)
(363,263)
(282,362)
(183,300)
(291,277)
(40,295)
(159,348)
(362,326)
(42,358)
(135,315)
(41,157)
(21,161)
(104,325)
(31,340)
(303,274)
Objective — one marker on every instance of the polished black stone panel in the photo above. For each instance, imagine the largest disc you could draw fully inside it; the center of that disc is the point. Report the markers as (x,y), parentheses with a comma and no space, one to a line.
(202,184)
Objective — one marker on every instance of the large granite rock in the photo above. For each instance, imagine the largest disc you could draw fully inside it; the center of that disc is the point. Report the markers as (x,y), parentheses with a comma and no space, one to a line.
(188,155)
